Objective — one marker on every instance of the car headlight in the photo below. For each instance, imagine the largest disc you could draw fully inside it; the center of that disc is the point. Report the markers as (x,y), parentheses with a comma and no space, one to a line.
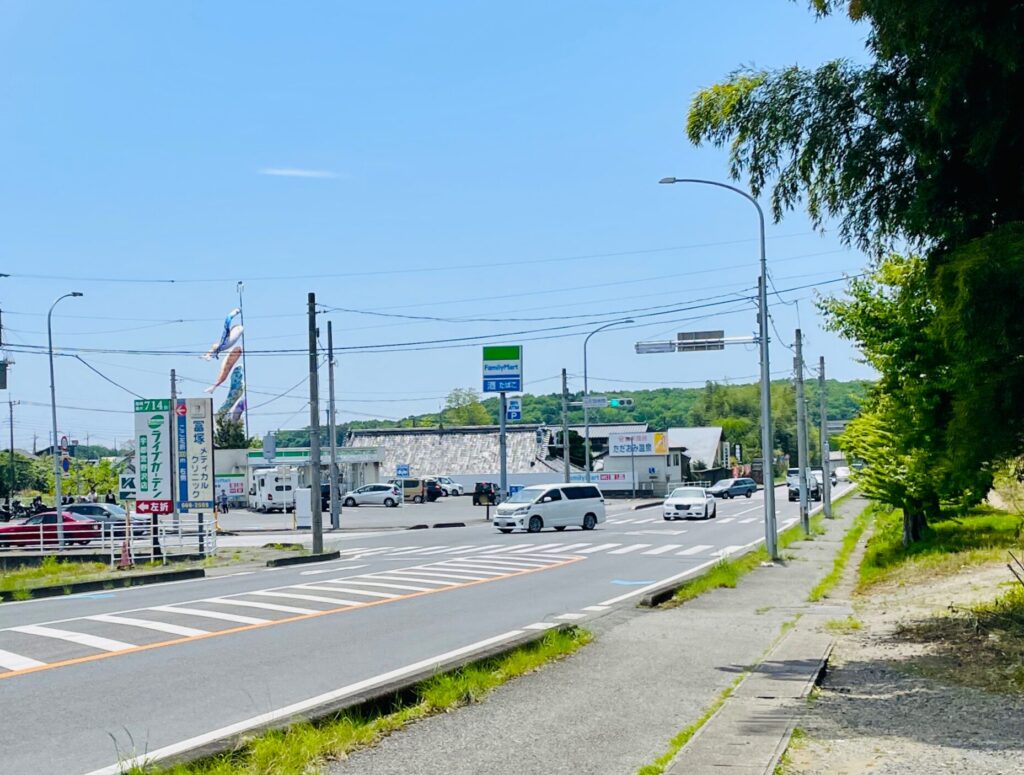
(521,511)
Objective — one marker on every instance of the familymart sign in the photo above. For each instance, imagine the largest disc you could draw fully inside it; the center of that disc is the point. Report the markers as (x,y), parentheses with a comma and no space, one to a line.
(503,369)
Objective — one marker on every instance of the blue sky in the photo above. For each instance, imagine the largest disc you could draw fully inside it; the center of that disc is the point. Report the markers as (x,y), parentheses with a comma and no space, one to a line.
(454,160)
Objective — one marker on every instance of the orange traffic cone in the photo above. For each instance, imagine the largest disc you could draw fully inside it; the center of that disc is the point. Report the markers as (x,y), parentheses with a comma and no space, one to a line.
(126,558)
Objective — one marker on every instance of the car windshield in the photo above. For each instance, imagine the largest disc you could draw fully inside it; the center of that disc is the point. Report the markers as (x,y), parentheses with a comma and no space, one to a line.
(523,496)
(724,483)
(687,492)
(117,511)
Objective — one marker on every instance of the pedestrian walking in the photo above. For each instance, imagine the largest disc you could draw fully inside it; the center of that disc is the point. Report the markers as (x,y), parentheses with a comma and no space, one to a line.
(223,497)
(110,497)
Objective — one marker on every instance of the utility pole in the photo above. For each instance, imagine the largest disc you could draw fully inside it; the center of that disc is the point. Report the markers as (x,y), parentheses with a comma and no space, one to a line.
(565,425)
(801,432)
(502,445)
(314,432)
(332,427)
(826,474)
(10,492)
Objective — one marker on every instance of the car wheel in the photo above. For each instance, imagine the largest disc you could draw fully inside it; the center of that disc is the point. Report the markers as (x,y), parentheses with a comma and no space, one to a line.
(714,511)
(560,528)
(665,518)
(535,526)
(749,493)
(726,494)
(417,499)
(706,515)
(389,503)
(444,493)
(589,522)
(350,502)
(505,530)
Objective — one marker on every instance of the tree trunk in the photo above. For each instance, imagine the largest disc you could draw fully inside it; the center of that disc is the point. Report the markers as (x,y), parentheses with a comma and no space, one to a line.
(913,523)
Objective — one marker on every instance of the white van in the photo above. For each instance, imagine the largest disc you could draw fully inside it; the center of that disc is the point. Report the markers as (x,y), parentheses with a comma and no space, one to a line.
(273,489)
(551,505)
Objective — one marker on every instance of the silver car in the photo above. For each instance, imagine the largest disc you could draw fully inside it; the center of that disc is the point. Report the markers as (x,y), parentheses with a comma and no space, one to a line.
(373,495)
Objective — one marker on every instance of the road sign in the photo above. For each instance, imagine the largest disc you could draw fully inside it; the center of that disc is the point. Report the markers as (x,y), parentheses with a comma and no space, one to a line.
(503,368)
(269,447)
(626,444)
(698,341)
(595,402)
(65,464)
(402,470)
(153,456)
(126,486)
(195,454)
(63,445)
(514,409)
(514,488)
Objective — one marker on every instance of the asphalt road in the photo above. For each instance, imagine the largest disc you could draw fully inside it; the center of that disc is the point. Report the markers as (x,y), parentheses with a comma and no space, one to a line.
(91,680)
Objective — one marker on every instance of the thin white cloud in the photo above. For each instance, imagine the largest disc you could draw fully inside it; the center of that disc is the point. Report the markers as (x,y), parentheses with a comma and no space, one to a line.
(296,172)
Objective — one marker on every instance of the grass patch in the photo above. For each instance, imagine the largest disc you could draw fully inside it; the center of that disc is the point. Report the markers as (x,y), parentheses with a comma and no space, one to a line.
(948,545)
(727,572)
(849,624)
(51,572)
(797,740)
(981,646)
(850,540)
(301,748)
(285,547)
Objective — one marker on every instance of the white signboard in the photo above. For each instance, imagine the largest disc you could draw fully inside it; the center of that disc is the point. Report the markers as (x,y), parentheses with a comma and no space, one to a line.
(613,480)
(194,431)
(153,441)
(626,444)
(503,369)
(595,402)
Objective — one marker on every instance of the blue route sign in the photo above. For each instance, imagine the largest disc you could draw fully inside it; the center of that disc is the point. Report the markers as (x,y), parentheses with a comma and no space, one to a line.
(402,469)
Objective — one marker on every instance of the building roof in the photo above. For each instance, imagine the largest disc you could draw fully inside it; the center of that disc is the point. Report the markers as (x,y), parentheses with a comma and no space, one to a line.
(699,444)
(459,450)
(604,429)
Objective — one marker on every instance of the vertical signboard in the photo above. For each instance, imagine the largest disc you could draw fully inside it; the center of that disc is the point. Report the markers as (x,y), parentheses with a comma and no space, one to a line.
(153,441)
(503,369)
(194,430)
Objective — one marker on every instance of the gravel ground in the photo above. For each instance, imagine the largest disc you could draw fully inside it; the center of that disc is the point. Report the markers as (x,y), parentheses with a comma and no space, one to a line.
(875,715)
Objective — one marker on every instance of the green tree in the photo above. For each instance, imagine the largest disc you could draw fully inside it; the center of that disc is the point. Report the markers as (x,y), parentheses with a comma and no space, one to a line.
(84,476)
(463,407)
(230,434)
(30,473)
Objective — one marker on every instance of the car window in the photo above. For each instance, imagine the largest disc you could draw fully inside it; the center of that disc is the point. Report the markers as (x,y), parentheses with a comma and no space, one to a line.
(687,492)
(33,521)
(554,495)
(581,493)
(49,519)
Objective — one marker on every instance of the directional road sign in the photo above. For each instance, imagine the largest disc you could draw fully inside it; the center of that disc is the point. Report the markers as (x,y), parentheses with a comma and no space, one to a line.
(402,470)
(595,402)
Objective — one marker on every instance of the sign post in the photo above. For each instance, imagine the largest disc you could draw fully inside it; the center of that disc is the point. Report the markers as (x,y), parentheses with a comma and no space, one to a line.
(502,374)
(194,428)
(153,456)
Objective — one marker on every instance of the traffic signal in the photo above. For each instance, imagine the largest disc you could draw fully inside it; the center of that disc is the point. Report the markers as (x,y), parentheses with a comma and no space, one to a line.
(620,403)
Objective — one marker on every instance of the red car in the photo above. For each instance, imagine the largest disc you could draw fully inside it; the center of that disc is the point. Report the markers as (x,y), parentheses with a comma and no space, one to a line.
(42,529)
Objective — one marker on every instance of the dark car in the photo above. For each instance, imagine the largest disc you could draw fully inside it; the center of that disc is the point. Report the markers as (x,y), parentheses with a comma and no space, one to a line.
(432,490)
(733,488)
(485,493)
(111,518)
(42,529)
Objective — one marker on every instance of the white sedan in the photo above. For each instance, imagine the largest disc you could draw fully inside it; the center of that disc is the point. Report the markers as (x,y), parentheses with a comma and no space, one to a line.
(373,495)
(686,502)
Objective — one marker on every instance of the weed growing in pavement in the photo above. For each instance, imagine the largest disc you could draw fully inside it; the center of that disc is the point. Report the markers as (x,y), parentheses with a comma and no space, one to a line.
(981,536)
(797,740)
(850,540)
(50,572)
(300,748)
(843,625)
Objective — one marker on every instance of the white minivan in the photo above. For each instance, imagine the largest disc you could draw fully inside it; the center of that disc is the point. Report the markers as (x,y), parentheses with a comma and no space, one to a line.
(551,505)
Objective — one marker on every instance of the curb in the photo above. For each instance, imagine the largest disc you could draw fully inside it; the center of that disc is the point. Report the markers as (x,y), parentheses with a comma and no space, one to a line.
(647,505)
(382,695)
(303,559)
(449,524)
(108,584)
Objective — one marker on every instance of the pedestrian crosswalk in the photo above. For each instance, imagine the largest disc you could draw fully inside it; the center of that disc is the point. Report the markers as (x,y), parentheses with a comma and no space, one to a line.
(33,647)
(507,556)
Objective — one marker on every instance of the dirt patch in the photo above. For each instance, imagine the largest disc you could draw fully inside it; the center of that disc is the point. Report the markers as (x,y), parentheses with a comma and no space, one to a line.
(895,700)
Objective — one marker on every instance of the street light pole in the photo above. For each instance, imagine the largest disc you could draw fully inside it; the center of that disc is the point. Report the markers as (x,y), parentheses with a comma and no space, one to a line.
(586,390)
(770,537)
(53,416)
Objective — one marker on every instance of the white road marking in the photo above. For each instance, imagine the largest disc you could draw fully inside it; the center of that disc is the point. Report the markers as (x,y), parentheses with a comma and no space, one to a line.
(748,520)
(350,591)
(304,706)
(747,511)
(571,617)
(571,547)
(726,521)
(623,521)
(288,609)
(479,548)
(174,609)
(656,584)
(598,548)
(645,521)
(436,578)
(300,596)
(532,548)
(11,661)
(695,549)
(595,608)
(418,550)
(148,624)
(727,551)
(331,570)
(629,548)
(93,641)
(360,582)
(507,564)
(540,626)
(663,549)
(446,550)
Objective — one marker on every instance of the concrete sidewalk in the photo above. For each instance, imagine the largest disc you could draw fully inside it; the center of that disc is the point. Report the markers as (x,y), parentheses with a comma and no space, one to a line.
(615,706)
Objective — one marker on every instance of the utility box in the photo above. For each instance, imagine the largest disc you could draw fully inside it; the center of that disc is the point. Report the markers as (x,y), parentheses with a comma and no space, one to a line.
(304,508)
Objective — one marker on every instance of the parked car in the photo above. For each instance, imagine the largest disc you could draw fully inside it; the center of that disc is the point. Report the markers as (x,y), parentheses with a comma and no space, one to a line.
(449,486)
(793,484)
(432,490)
(485,493)
(733,488)
(544,505)
(110,517)
(413,489)
(685,502)
(42,529)
(373,495)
